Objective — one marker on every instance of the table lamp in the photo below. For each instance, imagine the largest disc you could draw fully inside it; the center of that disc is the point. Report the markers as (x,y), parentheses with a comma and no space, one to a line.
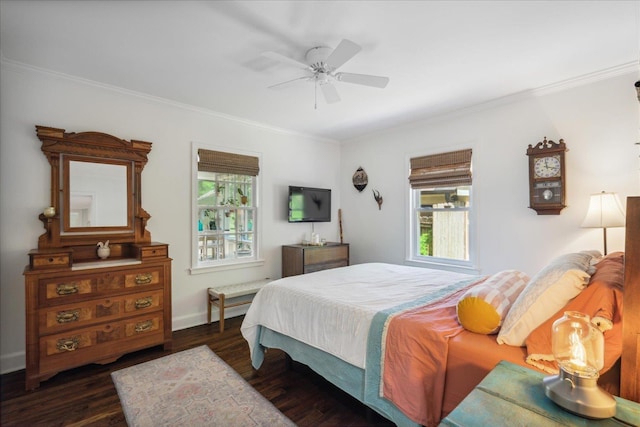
(604,211)
(578,347)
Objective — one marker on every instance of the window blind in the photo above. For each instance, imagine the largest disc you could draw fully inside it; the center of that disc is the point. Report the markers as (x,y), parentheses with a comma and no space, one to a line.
(221,162)
(440,170)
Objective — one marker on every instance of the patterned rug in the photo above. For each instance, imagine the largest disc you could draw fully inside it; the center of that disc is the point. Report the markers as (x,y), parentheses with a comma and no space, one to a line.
(192,388)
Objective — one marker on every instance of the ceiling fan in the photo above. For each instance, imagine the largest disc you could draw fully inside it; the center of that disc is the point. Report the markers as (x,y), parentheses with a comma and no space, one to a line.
(321,66)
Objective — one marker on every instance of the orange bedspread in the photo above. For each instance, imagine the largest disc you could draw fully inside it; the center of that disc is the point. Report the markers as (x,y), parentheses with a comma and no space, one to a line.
(431,363)
(471,357)
(415,358)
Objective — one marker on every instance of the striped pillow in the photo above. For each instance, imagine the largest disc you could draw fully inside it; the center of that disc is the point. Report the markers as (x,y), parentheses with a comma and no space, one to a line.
(483,308)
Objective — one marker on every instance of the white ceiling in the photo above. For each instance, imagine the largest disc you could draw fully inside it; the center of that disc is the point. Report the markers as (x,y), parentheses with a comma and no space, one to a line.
(439,55)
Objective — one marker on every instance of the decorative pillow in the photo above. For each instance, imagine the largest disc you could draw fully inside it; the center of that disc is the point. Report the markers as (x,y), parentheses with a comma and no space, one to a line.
(482,308)
(602,300)
(547,292)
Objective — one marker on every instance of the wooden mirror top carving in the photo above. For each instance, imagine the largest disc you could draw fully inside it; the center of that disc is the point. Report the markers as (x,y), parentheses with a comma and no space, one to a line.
(119,161)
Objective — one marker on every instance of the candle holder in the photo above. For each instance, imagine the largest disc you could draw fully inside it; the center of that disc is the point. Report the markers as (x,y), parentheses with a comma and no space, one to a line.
(49,212)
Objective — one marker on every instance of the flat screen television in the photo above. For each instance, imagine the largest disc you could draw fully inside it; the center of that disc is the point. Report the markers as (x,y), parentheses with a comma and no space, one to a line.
(308,204)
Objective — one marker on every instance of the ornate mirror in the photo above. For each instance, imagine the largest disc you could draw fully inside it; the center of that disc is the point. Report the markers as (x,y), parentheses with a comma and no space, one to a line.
(95,189)
(99,194)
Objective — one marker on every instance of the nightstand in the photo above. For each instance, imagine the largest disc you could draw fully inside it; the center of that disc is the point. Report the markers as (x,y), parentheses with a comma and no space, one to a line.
(512,395)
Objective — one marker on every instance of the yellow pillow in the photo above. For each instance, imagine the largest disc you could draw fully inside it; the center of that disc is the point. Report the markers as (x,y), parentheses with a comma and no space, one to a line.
(482,308)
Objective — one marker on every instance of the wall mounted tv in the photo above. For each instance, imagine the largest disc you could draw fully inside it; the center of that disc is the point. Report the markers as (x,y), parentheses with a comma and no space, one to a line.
(308,204)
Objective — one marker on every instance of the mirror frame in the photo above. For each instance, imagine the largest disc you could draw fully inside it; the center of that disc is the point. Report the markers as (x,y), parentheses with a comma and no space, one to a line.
(59,147)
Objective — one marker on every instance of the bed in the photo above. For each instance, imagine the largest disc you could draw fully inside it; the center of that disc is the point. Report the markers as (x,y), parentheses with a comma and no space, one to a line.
(403,351)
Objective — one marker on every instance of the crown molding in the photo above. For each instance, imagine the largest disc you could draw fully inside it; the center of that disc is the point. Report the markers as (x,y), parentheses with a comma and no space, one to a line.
(22,67)
(589,78)
(582,80)
(585,79)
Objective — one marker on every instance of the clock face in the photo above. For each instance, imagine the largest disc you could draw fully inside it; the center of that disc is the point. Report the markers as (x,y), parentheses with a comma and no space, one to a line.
(547,167)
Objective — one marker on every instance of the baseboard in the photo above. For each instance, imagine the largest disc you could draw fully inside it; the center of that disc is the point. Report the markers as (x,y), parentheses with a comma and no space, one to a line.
(12,362)
(197,319)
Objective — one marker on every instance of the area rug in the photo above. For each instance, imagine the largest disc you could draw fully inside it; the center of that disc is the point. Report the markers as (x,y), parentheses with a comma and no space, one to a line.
(192,388)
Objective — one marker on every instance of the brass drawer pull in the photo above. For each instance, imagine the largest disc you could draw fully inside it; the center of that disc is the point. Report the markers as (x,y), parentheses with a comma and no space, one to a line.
(67,289)
(143,302)
(68,344)
(144,279)
(68,316)
(144,326)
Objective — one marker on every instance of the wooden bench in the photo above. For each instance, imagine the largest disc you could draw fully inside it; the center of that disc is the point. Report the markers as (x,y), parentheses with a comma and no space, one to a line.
(221,295)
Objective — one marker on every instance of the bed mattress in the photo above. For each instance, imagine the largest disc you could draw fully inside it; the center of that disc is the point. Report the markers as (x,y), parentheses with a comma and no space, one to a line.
(342,300)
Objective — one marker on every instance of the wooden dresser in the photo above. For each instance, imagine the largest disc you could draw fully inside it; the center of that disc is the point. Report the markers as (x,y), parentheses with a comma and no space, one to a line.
(301,259)
(94,312)
(96,287)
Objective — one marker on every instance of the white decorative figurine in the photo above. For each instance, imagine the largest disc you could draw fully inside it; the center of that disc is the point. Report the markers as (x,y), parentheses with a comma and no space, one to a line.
(104,250)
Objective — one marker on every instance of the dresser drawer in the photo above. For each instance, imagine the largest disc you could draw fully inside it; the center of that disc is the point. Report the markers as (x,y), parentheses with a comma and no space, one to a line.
(325,266)
(70,316)
(326,254)
(154,251)
(80,346)
(42,260)
(146,277)
(67,289)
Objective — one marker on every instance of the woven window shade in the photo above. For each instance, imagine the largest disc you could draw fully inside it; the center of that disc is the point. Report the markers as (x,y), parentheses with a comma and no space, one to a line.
(221,162)
(441,170)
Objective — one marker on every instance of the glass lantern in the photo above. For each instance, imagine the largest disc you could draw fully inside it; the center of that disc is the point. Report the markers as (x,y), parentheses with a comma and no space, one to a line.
(578,347)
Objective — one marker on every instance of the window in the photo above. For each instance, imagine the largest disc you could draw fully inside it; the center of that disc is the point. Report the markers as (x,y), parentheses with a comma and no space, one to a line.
(441,208)
(226,209)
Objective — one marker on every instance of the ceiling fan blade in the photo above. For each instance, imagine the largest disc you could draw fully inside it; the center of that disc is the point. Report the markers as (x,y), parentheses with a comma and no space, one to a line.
(330,93)
(341,54)
(363,79)
(285,60)
(279,85)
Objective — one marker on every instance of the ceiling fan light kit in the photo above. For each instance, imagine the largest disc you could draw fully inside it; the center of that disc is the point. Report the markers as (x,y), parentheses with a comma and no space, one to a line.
(322,63)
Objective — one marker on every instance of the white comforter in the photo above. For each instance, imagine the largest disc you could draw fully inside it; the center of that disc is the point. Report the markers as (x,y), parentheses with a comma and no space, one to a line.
(332,309)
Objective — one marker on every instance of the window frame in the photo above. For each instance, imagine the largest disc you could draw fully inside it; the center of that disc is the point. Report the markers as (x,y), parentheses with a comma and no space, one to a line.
(412,206)
(198,266)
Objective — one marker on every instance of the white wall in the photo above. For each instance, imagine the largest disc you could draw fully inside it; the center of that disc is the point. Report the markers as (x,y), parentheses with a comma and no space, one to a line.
(31,97)
(599,122)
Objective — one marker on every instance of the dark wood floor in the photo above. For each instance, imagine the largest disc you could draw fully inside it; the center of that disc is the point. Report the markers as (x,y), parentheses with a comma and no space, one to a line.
(86,396)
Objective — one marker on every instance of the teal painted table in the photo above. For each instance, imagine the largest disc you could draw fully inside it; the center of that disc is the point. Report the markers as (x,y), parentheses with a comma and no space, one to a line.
(512,395)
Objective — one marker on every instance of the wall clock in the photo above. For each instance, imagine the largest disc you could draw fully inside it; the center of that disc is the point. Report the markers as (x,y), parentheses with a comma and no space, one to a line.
(547,177)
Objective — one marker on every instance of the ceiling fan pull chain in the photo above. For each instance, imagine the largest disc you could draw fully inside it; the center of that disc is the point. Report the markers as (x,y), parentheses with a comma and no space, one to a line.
(315,94)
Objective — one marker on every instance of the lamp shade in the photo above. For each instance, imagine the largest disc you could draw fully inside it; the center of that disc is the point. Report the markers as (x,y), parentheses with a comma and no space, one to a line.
(604,211)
